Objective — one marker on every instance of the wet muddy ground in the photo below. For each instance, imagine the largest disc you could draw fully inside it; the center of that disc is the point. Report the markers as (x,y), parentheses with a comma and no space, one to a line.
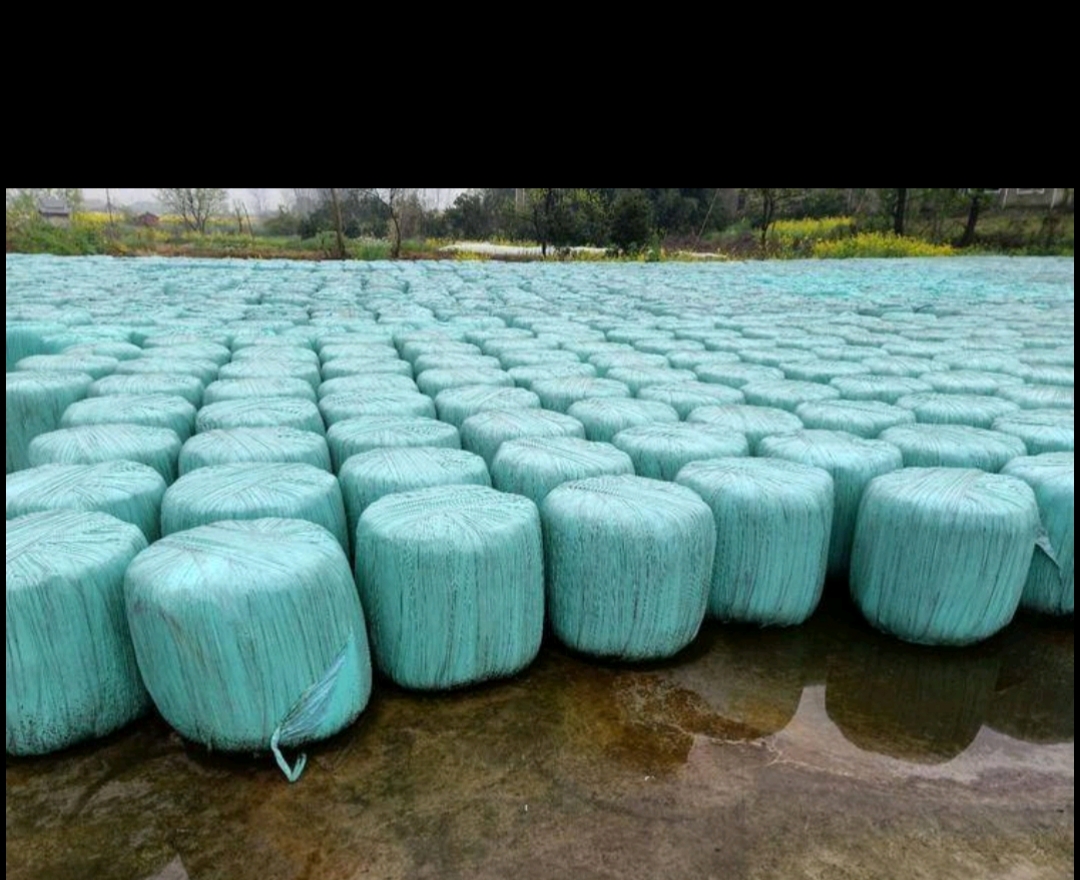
(825,751)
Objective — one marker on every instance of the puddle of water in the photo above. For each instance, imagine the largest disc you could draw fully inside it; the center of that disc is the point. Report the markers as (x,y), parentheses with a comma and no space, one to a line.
(711,764)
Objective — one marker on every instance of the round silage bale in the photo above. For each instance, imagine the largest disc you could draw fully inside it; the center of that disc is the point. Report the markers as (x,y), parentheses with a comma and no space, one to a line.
(629,562)
(168,384)
(1038,396)
(886,389)
(773,521)
(900,366)
(386,470)
(685,397)
(661,450)
(484,432)
(452,581)
(122,351)
(379,382)
(205,371)
(940,555)
(639,378)
(252,491)
(953,446)
(957,409)
(203,351)
(533,466)
(352,436)
(787,393)
(127,490)
(737,375)
(1049,430)
(561,393)
(94,366)
(271,444)
(851,461)
(250,635)
(34,404)
(270,369)
(1050,582)
(969,382)
(353,366)
(360,404)
(70,668)
(90,444)
(239,389)
(606,361)
(152,410)
(524,377)
(27,338)
(432,382)
(259,412)
(822,371)
(863,418)
(753,422)
(454,361)
(604,417)
(455,405)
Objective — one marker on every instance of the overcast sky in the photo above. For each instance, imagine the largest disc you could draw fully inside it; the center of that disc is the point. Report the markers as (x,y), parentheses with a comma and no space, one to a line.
(270,198)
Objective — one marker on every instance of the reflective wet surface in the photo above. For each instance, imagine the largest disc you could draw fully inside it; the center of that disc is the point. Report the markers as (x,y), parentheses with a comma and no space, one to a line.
(824,751)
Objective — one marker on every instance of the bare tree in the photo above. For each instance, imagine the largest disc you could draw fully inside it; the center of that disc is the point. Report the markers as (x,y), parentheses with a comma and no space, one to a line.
(394,201)
(194,207)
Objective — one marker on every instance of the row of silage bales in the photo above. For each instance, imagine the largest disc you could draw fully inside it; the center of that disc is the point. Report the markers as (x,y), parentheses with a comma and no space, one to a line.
(646,337)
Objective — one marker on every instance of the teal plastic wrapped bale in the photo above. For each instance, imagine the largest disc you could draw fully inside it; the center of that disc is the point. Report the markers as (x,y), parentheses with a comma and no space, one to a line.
(773,522)
(455,405)
(533,466)
(256,412)
(353,436)
(534,356)
(753,422)
(454,361)
(787,394)
(485,432)
(886,389)
(560,394)
(628,359)
(1051,579)
(954,446)
(961,381)
(379,382)
(239,445)
(629,563)
(335,350)
(432,382)
(863,418)
(639,378)
(822,371)
(203,370)
(940,555)
(127,490)
(524,377)
(238,389)
(452,579)
(276,354)
(604,417)
(661,450)
(354,366)
(1039,396)
(901,366)
(157,447)
(852,462)
(27,338)
(151,410)
(354,405)
(272,369)
(70,667)
(168,384)
(1042,430)
(94,366)
(250,635)
(737,375)
(685,397)
(957,409)
(368,476)
(34,405)
(255,491)
(122,351)
(201,351)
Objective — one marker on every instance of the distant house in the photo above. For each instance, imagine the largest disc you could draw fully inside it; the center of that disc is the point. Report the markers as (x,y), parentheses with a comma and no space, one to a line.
(1035,198)
(148,220)
(54,210)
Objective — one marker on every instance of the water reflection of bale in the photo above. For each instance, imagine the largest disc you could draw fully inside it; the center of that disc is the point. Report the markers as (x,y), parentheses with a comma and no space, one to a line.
(912,702)
(751,678)
(1034,699)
